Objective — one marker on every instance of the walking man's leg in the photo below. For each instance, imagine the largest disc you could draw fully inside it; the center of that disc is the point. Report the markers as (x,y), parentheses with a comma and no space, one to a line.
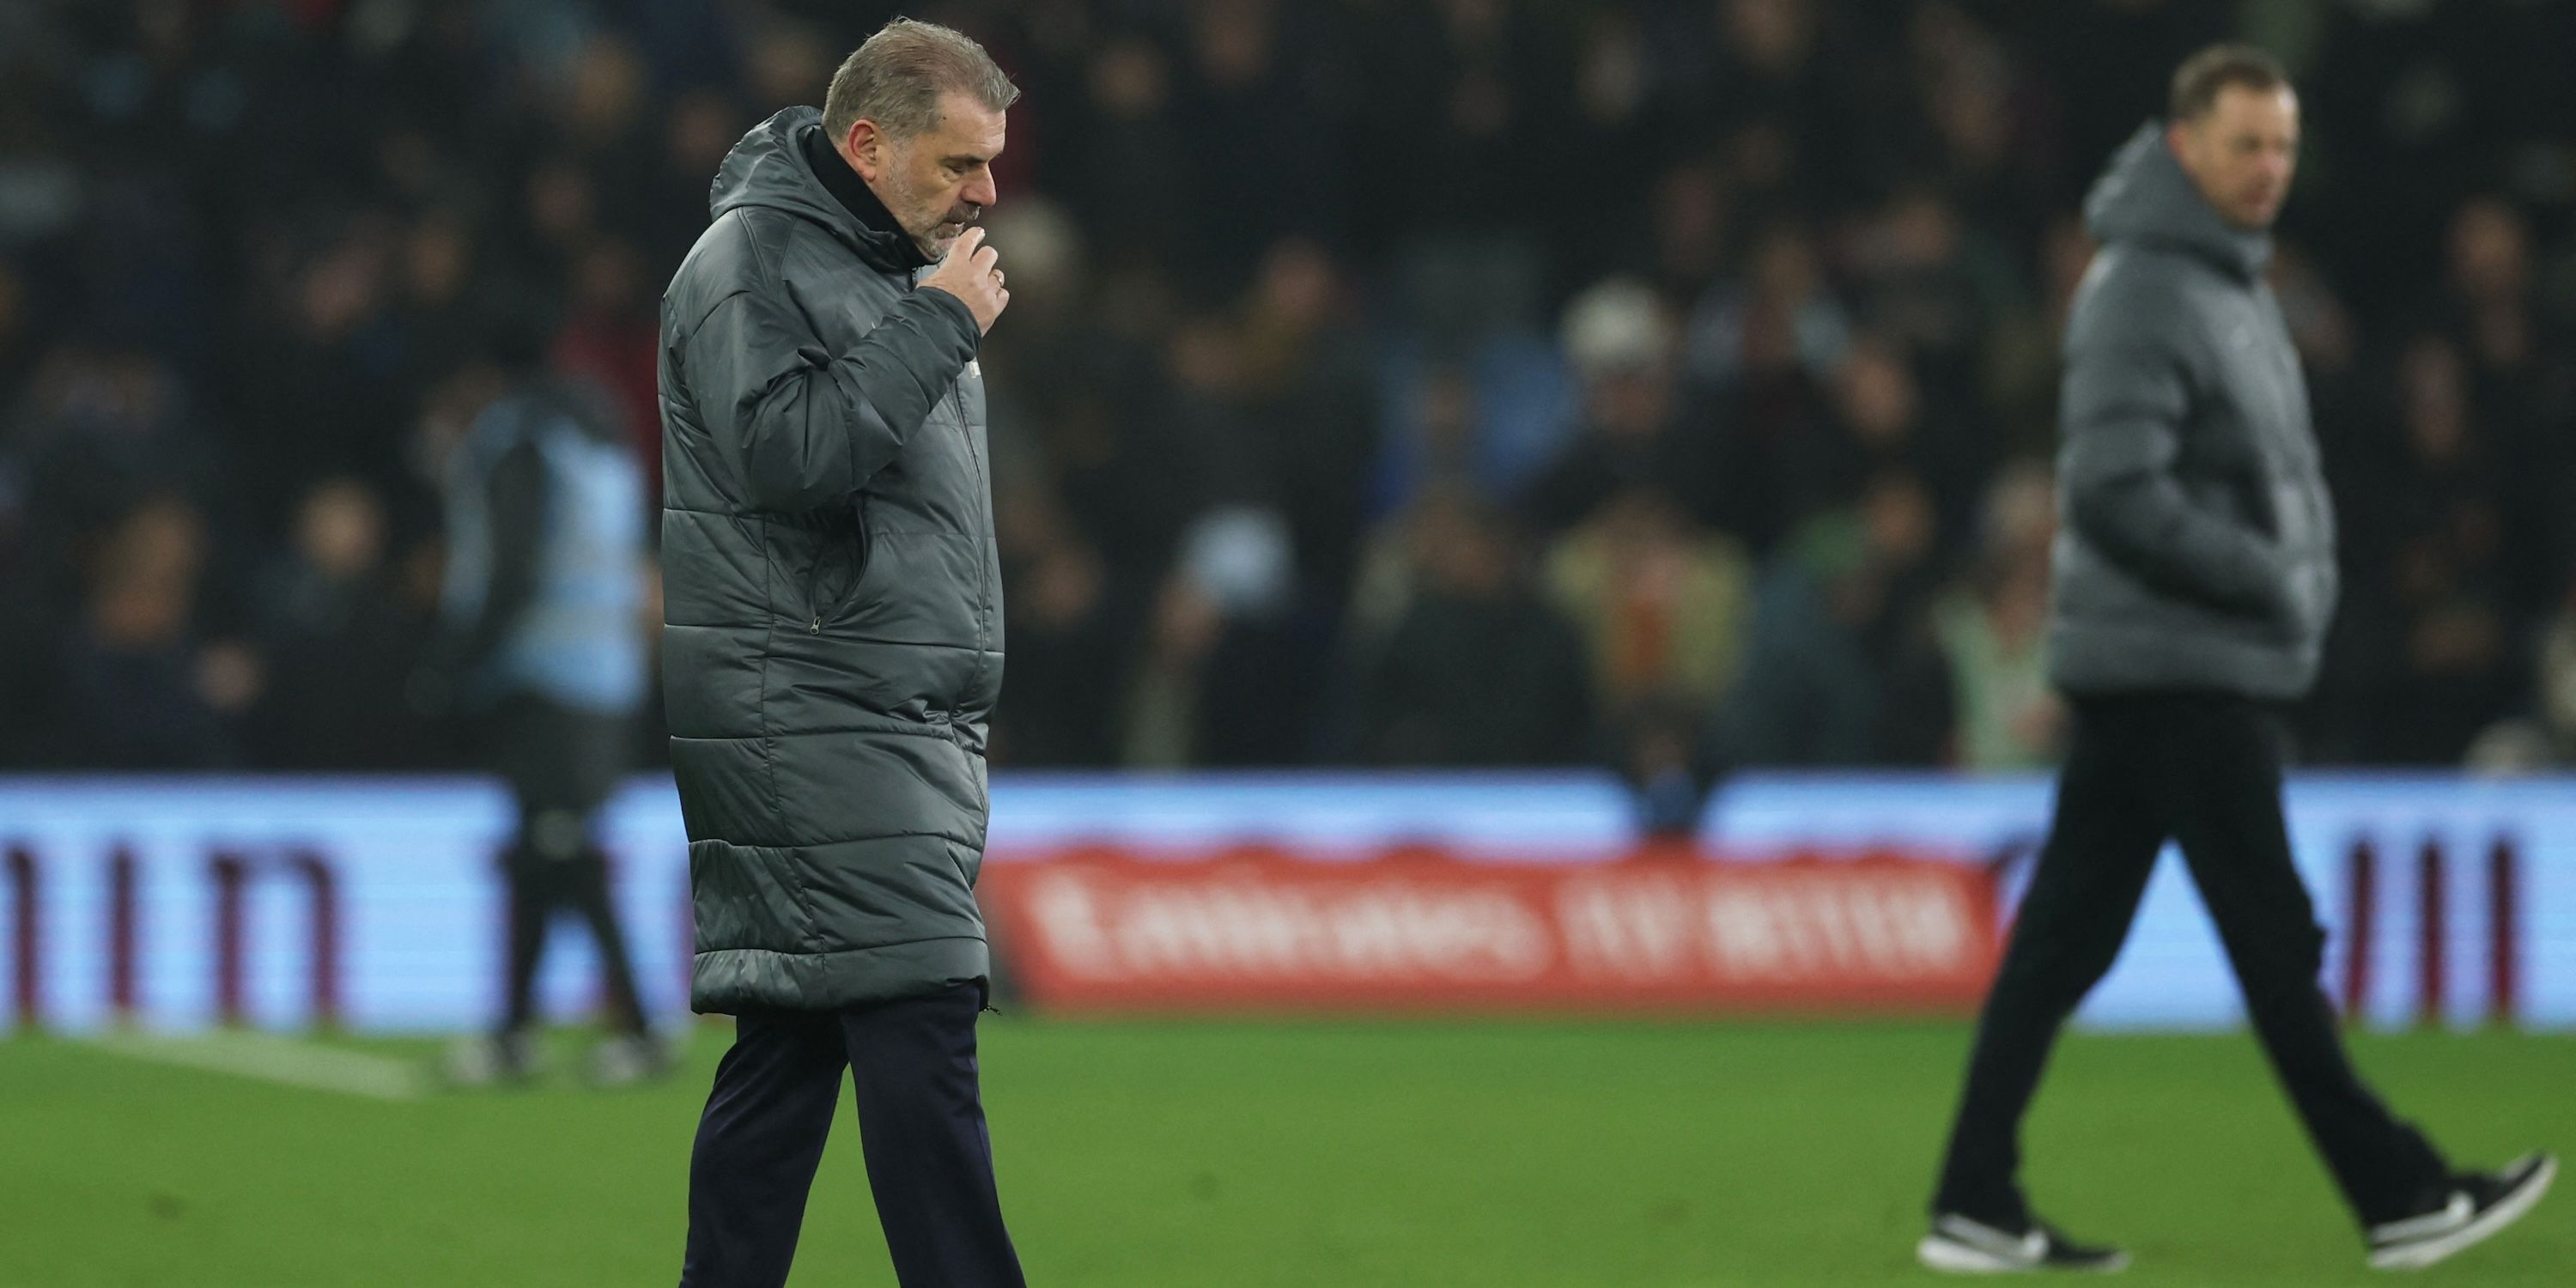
(533,884)
(921,1122)
(548,781)
(596,746)
(532,900)
(589,896)
(2102,844)
(2239,850)
(758,1143)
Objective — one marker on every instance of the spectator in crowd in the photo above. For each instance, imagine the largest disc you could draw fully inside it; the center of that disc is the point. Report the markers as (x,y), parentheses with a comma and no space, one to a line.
(139,688)
(1620,342)
(1877,422)
(2437,619)
(1310,407)
(609,341)
(1661,605)
(1762,349)
(2516,355)
(1474,627)
(325,375)
(1226,676)
(2544,736)
(2521,378)
(330,623)
(1992,632)
(98,428)
(1931,288)
(1838,666)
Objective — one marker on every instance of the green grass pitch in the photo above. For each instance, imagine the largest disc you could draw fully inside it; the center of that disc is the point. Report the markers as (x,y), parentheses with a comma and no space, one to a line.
(1243,1155)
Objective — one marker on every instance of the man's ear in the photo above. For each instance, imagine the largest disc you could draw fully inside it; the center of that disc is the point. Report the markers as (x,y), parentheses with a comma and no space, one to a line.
(864,148)
(2176,136)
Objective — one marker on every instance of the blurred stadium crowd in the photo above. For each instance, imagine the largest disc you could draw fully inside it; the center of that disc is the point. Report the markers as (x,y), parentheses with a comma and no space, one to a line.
(1388,382)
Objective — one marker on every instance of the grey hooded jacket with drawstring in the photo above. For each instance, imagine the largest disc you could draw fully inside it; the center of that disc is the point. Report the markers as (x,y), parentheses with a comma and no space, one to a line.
(832,645)
(2196,548)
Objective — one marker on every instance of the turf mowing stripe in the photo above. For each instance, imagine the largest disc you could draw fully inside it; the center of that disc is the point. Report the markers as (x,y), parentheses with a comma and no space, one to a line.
(285,1061)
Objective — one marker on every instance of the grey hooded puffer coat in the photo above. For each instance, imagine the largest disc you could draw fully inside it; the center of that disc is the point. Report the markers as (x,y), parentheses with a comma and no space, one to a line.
(2197,548)
(833,632)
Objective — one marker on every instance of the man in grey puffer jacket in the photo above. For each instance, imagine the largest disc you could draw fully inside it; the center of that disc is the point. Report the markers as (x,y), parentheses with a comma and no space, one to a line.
(2194,579)
(832,652)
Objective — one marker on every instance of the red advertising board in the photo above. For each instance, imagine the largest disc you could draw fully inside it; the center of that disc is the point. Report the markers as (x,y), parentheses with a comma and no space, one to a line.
(1107,929)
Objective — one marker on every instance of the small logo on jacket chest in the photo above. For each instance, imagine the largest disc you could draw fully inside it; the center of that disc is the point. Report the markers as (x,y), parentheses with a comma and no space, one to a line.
(974,369)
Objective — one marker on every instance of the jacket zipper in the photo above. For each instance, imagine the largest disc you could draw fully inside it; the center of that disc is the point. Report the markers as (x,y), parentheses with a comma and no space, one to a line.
(858,573)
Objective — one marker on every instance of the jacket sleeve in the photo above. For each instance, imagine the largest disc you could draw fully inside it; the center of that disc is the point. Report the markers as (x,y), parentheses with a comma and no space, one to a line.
(2126,398)
(802,426)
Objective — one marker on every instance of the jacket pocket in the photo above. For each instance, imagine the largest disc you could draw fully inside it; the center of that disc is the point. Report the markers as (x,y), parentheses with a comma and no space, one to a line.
(822,566)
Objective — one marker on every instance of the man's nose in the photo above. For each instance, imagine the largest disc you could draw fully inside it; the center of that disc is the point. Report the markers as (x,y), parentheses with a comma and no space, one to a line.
(980,190)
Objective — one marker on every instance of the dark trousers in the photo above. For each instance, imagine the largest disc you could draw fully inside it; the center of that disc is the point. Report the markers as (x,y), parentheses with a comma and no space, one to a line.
(2204,770)
(921,1128)
(561,765)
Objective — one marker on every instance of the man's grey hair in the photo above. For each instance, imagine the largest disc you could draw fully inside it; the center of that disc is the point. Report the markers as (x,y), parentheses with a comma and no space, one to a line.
(897,77)
(2197,82)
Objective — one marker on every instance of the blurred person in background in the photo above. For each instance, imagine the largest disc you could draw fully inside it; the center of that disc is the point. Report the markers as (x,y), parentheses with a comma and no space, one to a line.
(2519,363)
(1621,344)
(2518,377)
(137,686)
(1475,668)
(326,384)
(833,652)
(2544,736)
(1662,606)
(2194,580)
(100,426)
(542,649)
(1880,420)
(1305,383)
(2437,626)
(1838,668)
(610,339)
(330,620)
(1764,350)
(1226,672)
(1064,633)
(1276,407)
(1992,634)
(1930,287)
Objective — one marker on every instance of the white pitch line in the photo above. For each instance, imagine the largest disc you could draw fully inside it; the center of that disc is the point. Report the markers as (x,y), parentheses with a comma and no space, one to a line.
(268,1058)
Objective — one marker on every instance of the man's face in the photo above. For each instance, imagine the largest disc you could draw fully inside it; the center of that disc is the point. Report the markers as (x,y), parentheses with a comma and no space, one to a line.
(2242,151)
(936,182)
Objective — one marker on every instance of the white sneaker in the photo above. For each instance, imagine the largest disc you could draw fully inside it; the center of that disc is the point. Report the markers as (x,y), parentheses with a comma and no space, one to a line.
(485,1059)
(1961,1245)
(2478,1205)
(628,1059)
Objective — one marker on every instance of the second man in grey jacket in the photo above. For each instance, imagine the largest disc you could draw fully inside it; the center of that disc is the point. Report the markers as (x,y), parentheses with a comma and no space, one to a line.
(2194,577)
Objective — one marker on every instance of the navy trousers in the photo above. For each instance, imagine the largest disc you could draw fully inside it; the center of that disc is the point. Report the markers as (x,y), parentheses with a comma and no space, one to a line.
(2203,769)
(921,1127)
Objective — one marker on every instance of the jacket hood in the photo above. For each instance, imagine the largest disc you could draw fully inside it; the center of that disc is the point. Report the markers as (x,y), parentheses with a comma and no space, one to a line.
(2144,196)
(768,169)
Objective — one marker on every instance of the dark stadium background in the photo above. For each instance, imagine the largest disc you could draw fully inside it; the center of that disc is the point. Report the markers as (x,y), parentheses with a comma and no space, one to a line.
(1662,385)
(1653,395)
